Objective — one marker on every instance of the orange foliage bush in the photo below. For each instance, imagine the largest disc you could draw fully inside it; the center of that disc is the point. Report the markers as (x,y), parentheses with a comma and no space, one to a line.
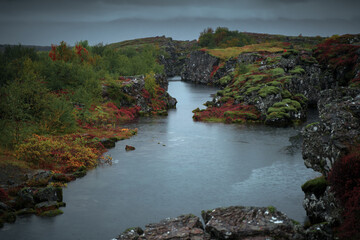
(60,153)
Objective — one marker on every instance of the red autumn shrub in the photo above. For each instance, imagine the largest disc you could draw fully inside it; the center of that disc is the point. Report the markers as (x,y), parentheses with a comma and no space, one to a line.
(345,182)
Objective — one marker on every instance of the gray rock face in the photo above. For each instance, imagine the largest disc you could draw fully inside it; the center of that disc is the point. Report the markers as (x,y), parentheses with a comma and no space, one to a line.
(176,52)
(250,223)
(183,227)
(198,67)
(309,83)
(327,141)
(324,208)
(321,231)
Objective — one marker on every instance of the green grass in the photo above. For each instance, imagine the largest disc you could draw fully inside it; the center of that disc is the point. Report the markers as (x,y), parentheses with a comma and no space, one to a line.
(226,53)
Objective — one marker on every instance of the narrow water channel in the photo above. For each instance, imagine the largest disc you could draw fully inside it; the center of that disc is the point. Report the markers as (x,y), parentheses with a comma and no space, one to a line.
(179,166)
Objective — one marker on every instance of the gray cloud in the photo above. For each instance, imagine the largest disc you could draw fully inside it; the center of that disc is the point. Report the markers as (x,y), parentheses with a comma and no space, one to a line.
(79,18)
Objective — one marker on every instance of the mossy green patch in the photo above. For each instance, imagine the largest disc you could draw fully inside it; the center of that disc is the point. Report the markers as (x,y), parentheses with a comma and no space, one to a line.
(297,70)
(317,186)
(277,115)
(252,89)
(276,72)
(267,90)
(285,94)
(225,80)
(271,209)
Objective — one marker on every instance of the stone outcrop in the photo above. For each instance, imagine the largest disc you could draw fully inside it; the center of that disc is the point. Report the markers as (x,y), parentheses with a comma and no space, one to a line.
(175,55)
(132,92)
(328,140)
(199,67)
(251,223)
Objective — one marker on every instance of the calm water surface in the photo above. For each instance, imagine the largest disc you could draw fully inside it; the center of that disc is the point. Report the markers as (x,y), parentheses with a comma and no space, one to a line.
(179,166)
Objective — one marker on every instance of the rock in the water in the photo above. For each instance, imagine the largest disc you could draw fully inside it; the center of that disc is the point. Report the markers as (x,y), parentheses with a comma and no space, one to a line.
(250,223)
(129,148)
(181,228)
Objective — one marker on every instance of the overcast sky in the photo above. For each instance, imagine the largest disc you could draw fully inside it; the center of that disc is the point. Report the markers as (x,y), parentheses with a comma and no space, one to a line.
(42,22)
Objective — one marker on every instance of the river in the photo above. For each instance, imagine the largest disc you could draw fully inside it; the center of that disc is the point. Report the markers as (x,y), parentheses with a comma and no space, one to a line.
(179,166)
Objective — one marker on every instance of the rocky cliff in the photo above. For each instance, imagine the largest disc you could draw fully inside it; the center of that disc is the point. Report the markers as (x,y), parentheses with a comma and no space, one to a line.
(175,56)
(326,143)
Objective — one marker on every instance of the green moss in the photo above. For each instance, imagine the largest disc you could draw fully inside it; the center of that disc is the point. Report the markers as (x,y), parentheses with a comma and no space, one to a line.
(51,213)
(300,98)
(240,121)
(271,209)
(297,70)
(277,115)
(225,80)
(274,83)
(285,94)
(295,222)
(256,78)
(285,109)
(252,89)
(272,60)
(317,186)
(224,99)
(267,90)
(276,72)
(288,103)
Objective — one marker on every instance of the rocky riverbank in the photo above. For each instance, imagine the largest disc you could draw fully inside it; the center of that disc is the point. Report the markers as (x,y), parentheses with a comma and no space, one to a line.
(223,223)
(275,86)
(25,188)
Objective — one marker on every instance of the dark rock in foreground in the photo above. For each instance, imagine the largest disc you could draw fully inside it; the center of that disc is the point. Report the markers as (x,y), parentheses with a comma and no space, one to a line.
(182,227)
(251,223)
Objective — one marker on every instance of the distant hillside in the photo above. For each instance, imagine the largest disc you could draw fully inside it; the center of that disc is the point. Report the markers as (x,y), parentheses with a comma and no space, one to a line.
(160,41)
(37,48)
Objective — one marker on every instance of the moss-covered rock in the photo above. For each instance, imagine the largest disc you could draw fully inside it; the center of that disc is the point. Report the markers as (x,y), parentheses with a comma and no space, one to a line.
(317,186)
